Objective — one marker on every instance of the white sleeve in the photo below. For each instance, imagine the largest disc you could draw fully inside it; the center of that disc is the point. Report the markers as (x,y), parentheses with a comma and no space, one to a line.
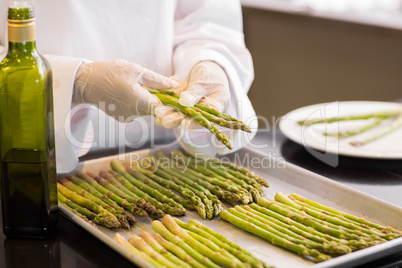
(73,130)
(210,30)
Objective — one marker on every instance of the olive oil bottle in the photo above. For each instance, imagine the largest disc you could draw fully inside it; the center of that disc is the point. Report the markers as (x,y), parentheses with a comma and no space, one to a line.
(27,145)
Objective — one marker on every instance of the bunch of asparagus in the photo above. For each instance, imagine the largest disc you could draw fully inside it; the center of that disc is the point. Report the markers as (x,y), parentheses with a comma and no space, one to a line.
(204,182)
(205,116)
(192,244)
(379,117)
(307,227)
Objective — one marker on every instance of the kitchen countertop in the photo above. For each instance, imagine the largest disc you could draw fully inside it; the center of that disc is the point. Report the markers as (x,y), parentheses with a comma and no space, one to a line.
(72,246)
(387,17)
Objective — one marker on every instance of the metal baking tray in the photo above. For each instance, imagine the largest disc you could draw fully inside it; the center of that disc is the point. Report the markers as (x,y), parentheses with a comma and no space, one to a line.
(282,177)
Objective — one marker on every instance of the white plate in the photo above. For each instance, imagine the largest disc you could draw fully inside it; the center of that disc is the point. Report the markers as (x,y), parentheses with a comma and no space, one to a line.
(311,137)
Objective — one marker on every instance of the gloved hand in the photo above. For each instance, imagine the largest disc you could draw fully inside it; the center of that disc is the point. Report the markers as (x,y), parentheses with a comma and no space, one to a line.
(115,87)
(208,85)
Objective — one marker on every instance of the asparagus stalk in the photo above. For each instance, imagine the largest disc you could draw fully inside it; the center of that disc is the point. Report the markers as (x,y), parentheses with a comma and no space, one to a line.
(209,111)
(120,239)
(200,186)
(238,252)
(173,102)
(304,219)
(397,123)
(133,205)
(109,219)
(141,245)
(355,131)
(178,251)
(154,211)
(87,187)
(159,228)
(82,212)
(167,192)
(169,184)
(229,193)
(272,238)
(358,220)
(119,215)
(332,249)
(381,114)
(353,244)
(170,207)
(209,210)
(246,195)
(203,193)
(150,240)
(280,197)
(244,171)
(216,256)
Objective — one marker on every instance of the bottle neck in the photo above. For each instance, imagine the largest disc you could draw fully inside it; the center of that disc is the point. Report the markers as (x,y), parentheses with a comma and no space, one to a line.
(14,47)
(21,35)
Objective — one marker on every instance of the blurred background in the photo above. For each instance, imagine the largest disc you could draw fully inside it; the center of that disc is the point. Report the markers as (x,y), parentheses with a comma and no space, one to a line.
(313,51)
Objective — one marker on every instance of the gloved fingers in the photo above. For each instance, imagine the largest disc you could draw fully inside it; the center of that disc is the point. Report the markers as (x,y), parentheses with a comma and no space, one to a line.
(204,78)
(154,80)
(218,99)
(142,102)
(190,124)
(158,121)
(172,120)
(162,110)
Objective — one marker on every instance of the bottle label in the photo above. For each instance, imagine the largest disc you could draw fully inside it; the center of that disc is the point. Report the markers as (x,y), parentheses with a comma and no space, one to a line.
(21,31)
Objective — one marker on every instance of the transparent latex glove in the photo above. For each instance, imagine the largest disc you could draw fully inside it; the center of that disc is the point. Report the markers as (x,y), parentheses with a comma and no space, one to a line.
(208,85)
(116,88)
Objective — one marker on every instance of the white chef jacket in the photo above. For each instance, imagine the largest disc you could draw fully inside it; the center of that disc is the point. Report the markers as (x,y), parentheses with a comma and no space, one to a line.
(168,37)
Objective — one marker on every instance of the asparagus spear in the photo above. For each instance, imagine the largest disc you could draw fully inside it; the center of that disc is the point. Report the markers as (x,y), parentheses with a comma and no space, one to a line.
(385,131)
(82,212)
(209,210)
(173,102)
(111,201)
(229,193)
(243,170)
(358,220)
(238,252)
(218,257)
(109,221)
(150,240)
(120,239)
(170,207)
(119,215)
(355,131)
(134,205)
(169,184)
(159,228)
(167,192)
(211,111)
(381,114)
(141,245)
(272,238)
(353,244)
(304,219)
(200,186)
(178,251)
(332,249)
(280,197)
(154,211)
(246,195)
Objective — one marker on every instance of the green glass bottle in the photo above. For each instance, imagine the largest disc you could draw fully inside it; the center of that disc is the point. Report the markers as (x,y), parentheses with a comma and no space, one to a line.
(27,142)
